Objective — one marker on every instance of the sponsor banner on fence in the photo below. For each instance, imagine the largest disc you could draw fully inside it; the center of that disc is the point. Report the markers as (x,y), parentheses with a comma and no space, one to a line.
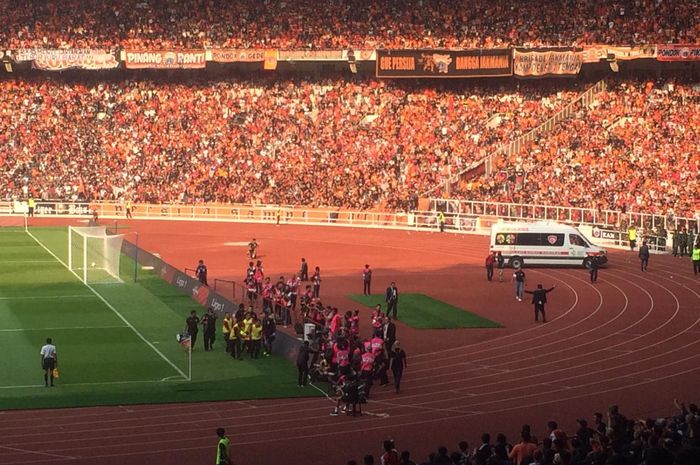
(54,208)
(539,63)
(678,52)
(443,63)
(164,59)
(595,53)
(59,59)
(235,55)
(311,55)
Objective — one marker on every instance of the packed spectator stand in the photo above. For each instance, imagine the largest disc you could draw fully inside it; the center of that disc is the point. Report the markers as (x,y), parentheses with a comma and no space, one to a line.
(633,149)
(359,144)
(342,24)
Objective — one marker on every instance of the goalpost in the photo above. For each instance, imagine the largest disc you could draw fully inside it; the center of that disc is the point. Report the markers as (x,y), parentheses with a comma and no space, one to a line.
(94,255)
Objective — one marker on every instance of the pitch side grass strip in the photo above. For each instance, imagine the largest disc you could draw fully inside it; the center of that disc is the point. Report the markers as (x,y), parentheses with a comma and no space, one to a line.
(423,312)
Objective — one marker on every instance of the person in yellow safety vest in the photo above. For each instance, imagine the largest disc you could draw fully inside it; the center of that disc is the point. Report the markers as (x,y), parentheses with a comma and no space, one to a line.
(632,236)
(696,258)
(245,331)
(226,330)
(31,204)
(128,206)
(256,337)
(223,448)
(236,339)
(441,221)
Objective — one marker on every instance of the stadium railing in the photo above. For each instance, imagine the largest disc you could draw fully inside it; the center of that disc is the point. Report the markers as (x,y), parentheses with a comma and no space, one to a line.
(462,216)
(535,212)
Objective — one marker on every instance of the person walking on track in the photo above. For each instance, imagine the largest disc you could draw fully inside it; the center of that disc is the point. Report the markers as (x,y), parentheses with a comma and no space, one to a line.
(223,448)
(490,262)
(644,255)
(539,298)
(595,264)
(500,264)
(519,278)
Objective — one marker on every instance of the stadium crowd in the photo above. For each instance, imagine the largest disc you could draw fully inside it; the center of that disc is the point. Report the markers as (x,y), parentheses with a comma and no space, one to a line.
(345,23)
(610,439)
(319,143)
(633,149)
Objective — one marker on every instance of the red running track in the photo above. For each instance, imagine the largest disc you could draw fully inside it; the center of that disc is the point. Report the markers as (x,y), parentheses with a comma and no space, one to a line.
(631,339)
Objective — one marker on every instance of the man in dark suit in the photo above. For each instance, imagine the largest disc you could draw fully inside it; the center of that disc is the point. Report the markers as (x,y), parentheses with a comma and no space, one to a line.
(644,255)
(392,300)
(389,335)
(539,298)
(304,270)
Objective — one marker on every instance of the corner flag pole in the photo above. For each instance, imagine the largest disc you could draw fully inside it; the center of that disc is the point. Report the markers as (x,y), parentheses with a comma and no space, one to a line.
(189,362)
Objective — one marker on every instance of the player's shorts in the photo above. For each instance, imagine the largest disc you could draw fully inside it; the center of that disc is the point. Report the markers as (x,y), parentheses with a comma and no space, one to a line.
(49,363)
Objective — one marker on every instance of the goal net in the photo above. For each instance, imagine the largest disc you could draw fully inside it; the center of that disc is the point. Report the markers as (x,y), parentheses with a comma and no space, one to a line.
(94,255)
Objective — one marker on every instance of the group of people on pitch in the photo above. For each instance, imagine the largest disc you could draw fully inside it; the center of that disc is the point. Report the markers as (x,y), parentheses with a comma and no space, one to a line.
(350,364)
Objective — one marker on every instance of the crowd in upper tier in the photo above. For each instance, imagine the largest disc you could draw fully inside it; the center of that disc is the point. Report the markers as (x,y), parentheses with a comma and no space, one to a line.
(357,144)
(302,24)
(635,148)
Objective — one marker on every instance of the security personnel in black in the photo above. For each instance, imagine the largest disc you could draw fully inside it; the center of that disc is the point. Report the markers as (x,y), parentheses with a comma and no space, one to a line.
(595,264)
(683,242)
(192,327)
(209,323)
(675,242)
(539,298)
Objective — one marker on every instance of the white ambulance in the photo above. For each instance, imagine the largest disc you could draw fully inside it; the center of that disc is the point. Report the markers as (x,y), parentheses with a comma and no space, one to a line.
(543,243)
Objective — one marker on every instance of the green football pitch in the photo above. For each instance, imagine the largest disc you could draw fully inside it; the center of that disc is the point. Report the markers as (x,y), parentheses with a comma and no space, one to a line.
(423,312)
(115,342)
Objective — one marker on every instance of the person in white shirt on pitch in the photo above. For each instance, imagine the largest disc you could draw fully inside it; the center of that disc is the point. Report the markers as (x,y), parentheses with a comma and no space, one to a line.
(49,361)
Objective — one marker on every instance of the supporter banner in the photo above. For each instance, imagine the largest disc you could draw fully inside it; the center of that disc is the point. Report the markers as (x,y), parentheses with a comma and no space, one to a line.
(234,55)
(540,63)
(362,55)
(163,59)
(311,55)
(56,60)
(443,63)
(270,62)
(595,53)
(678,52)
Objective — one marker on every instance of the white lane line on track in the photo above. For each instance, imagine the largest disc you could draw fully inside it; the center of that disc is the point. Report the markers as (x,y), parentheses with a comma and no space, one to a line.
(469,347)
(528,349)
(205,437)
(44,454)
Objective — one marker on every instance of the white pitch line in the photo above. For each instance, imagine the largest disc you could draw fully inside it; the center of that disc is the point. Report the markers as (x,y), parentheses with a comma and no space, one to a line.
(51,297)
(111,307)
(103,383)
(17,330)
(29,261)
(46,454)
